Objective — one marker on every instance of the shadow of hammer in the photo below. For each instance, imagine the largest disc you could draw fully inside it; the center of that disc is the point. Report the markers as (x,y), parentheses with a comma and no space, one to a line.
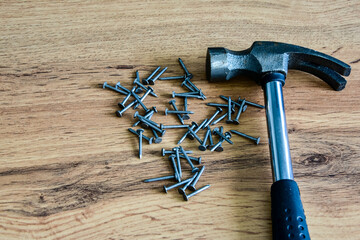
(267,63)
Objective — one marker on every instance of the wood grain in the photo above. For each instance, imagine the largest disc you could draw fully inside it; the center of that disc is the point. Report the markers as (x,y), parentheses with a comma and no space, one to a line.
(69,168)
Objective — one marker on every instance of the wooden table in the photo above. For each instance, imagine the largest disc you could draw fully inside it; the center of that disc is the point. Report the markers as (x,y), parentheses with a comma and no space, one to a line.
(69,167)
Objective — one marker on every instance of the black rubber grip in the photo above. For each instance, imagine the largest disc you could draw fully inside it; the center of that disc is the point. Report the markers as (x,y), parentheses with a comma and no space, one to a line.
(287,212)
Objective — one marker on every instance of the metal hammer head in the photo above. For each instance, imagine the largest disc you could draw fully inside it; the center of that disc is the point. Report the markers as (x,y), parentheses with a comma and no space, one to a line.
(269,57)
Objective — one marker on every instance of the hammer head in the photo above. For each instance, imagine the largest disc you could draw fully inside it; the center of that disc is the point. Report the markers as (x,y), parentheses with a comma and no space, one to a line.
(268,57)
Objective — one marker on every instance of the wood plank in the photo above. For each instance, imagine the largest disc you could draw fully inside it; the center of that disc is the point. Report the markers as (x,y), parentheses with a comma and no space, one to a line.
(69,167)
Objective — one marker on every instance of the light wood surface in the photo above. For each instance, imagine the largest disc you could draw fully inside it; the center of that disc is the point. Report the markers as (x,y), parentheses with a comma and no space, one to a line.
(69,167)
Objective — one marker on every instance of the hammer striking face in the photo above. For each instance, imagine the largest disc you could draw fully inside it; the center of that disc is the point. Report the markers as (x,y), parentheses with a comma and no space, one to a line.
(267,63)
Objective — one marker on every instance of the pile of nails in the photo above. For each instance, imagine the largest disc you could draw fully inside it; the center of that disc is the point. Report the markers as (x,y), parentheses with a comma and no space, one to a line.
(179,153)
(229,107)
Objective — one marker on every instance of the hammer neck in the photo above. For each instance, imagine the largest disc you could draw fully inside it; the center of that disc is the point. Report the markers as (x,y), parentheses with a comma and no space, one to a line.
(277,128)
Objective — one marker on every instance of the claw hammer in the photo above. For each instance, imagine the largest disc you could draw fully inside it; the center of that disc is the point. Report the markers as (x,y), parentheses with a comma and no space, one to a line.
(268,63)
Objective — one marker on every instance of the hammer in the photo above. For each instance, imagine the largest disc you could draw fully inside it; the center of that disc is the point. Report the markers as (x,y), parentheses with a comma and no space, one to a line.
(268,63)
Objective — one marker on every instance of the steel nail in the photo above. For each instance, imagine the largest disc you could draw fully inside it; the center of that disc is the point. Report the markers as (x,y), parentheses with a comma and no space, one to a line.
(185,69)
(172,78)
(164,152)
(186,197)
(196,179)
(246,102)
(120,113)
(122,104)
(185,116)
(203,146)
(229,111)
(178,161)
(184,84)
(183,189)
(138,100)
(217,132)
(217,146)
(211,141)
(193,125)
(157,138)
(177,176)
(256,140)
(140,132)
(195,135)
(148,115)
(105,85)
(236,120)
(194,169)
(218,110)
(149,90)
(159,179)
(145,80)
(172,126)
(172,102)
(150,123)
(150,140)
(219,119)
(137,82)
(118,85)
(152,81)
(192,85)
(167,111)
(166,189)
(198,160)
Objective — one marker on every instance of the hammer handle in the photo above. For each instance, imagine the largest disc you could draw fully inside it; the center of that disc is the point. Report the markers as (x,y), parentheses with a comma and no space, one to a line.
(287,212)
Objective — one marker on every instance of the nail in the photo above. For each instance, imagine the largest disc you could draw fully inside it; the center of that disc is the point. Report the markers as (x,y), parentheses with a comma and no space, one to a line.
(138,100)
(152,81)
(186,197)
(150,140)
(216,131)
(148,115)
(196,179)
(185,116)
(120,113)
(192,95)
(164,152)
(167,111)
(203,146)
(246,102)
(192,85)
(159,179)
(211,141)
(140,132)
(145,80)
(193,125)
(178,161)
(172,159)
(236,120)
(229,111)
(118,85)
(166,189)
(185,69)
(150,123)
(221,105)
(157,138)
(216,146)
(122,104)
(192,132)
(218,110)
(219,119)
(137,82)
(172,126)
(105,85)
(183,189)
(172,102)
(150,89)
(184,84)
(194,169)
(256,140)
(201,126)
(172,78)
(147,120)
(192,158)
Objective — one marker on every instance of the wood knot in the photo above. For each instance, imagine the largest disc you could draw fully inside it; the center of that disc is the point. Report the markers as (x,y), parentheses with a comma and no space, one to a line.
(316,159)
